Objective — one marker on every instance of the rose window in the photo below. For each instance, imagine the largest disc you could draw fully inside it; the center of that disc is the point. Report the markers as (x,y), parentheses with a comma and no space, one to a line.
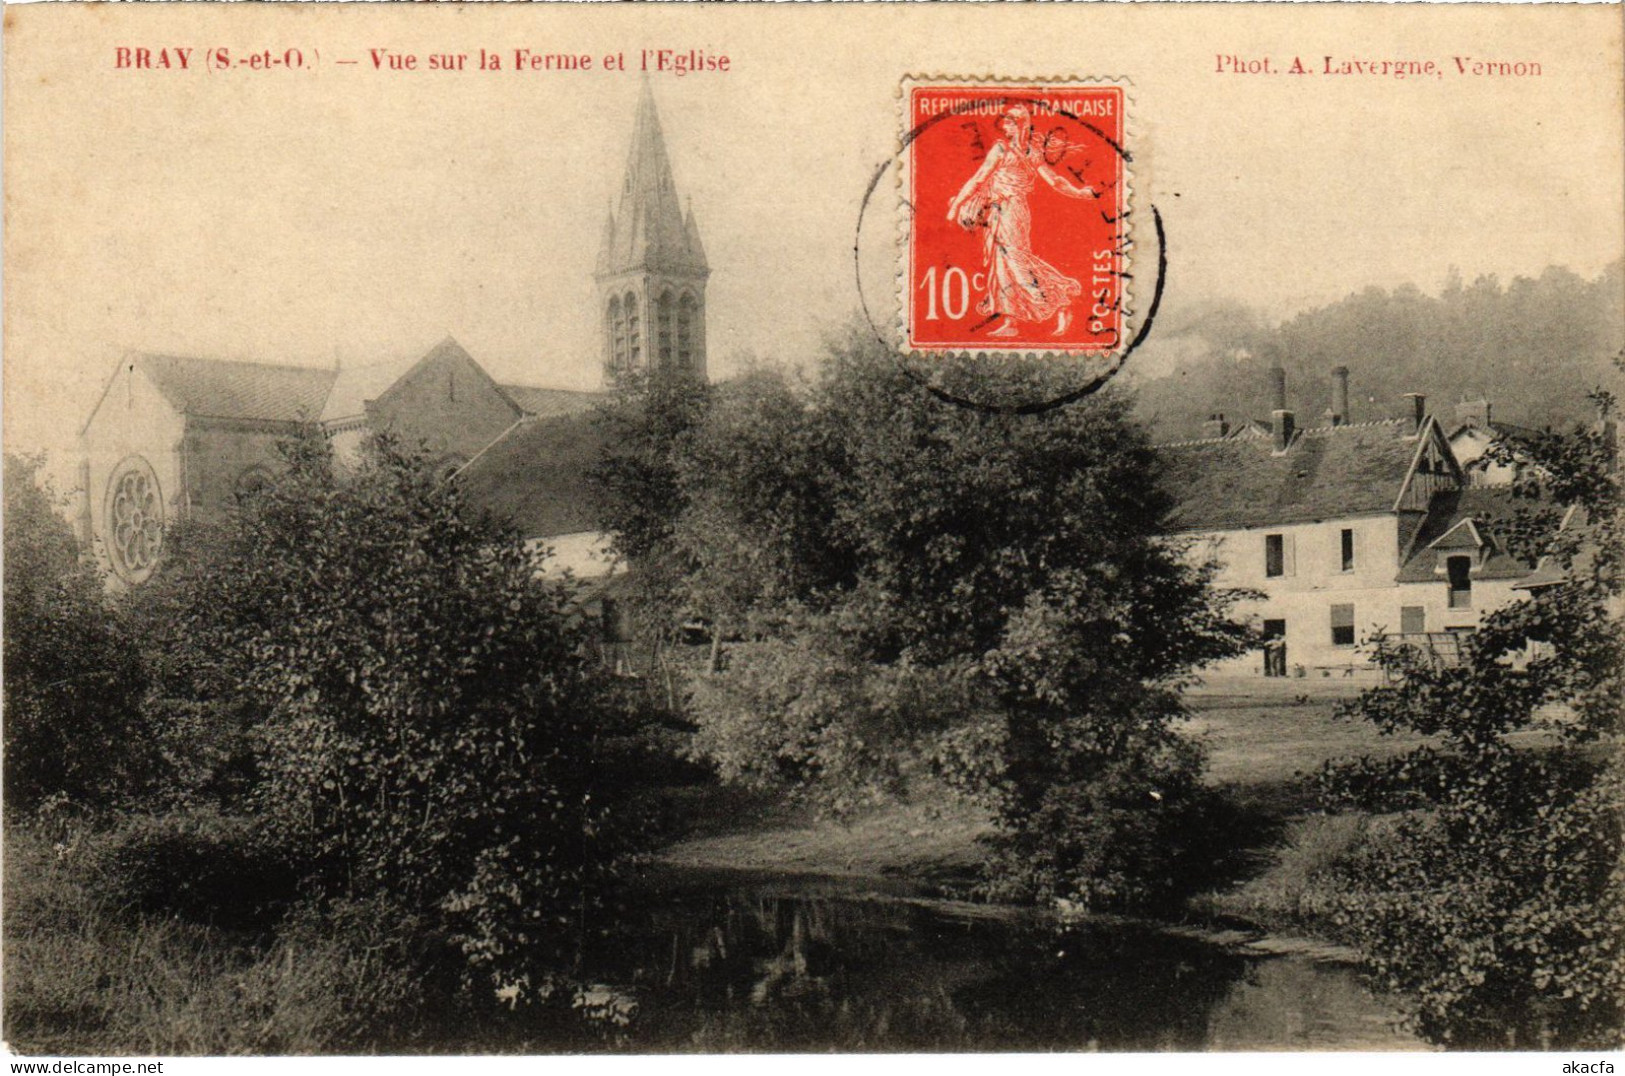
(135,519)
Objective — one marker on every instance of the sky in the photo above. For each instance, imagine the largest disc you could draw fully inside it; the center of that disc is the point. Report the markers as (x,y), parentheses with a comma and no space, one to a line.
(342,214)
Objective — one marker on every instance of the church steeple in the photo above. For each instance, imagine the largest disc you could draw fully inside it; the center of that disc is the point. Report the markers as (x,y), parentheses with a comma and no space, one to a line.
(651,269)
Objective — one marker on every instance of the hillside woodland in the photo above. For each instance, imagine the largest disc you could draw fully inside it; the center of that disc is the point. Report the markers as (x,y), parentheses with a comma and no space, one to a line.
(1534,347)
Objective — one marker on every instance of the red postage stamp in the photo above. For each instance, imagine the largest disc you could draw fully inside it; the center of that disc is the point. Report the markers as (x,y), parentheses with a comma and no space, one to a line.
(1016,198)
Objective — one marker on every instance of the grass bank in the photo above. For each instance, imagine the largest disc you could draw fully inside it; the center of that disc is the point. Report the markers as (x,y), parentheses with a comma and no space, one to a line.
(86,976)
(1260,749)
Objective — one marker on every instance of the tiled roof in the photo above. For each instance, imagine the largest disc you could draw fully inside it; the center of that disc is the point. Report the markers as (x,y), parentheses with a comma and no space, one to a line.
(1502,429)
(355,385)
(1550,571)
(1485,506)
(1327,472)
(241,390)
(535,475)
(547,402)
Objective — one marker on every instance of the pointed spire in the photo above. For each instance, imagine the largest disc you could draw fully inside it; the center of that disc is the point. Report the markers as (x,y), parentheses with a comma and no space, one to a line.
(696,249)
(648,230)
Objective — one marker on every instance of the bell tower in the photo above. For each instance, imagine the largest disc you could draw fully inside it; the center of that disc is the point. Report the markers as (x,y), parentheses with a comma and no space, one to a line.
(651,269)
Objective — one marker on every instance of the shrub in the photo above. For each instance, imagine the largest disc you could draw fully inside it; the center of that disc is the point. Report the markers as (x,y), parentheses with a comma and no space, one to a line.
(87,976)
(422,721)
(1512,941)
(1499,901)
(72,680)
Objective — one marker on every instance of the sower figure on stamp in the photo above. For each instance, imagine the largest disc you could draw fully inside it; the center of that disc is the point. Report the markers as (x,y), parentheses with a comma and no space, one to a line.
(1021,286)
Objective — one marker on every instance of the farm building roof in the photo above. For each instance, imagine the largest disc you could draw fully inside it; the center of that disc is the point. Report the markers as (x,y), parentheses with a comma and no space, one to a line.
(1458,522)
(1326,472)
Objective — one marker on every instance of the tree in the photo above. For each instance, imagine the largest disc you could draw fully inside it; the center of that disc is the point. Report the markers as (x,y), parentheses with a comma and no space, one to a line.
(1498,900)
(645,426)
(421,717)
(925,589)
(71,677)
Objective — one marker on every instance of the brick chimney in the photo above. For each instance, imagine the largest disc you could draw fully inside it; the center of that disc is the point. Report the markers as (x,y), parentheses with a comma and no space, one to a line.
(1282,427)
(1281,424)
(1419,411)
(1475,413)
(1277,387)
(1215,427)
(1339,413)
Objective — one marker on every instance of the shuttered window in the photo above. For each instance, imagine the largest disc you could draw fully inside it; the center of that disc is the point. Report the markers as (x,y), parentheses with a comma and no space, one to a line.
(1413,619)
(1342,625)
(1277,555)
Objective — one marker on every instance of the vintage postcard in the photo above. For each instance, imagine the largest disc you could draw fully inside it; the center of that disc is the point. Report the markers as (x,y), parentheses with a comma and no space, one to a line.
(794,528)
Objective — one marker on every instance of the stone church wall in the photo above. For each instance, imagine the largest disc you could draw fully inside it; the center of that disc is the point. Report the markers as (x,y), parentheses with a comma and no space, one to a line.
(224,458)
(447,403)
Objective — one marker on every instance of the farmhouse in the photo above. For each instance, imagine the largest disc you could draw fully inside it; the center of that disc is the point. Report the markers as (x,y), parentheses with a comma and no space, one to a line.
(1349,530)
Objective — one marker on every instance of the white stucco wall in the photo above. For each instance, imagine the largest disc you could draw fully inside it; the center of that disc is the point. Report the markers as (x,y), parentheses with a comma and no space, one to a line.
(584,555)
(1314,581)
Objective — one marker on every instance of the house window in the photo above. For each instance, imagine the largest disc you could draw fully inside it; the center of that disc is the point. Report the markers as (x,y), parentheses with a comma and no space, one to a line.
(1348,549)
(1342,625)
(1461,584)
(1274,555)
(1413,619)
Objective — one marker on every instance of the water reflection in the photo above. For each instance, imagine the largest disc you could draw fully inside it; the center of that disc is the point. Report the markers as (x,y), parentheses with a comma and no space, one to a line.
(722,969)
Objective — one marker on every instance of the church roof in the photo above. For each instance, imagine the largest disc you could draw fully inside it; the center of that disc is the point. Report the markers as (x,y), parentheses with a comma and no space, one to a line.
(355,385)
(535,475)
(215,388)
(547,402)
(648,230)
(1326,472)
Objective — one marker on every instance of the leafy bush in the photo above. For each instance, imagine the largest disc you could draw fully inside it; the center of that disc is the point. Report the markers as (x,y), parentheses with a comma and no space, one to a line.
(86,975)
(420,721)
(72,678)
(1498,901)
(199,865)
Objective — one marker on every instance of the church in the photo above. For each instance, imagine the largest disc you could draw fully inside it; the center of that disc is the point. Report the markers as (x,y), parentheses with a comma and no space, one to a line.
(175,437)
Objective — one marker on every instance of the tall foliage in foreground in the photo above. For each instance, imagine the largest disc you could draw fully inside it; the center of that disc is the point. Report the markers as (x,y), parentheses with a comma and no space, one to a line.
(918,588)
(71,676)
(419,722)
(1499,901)
(645,427)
